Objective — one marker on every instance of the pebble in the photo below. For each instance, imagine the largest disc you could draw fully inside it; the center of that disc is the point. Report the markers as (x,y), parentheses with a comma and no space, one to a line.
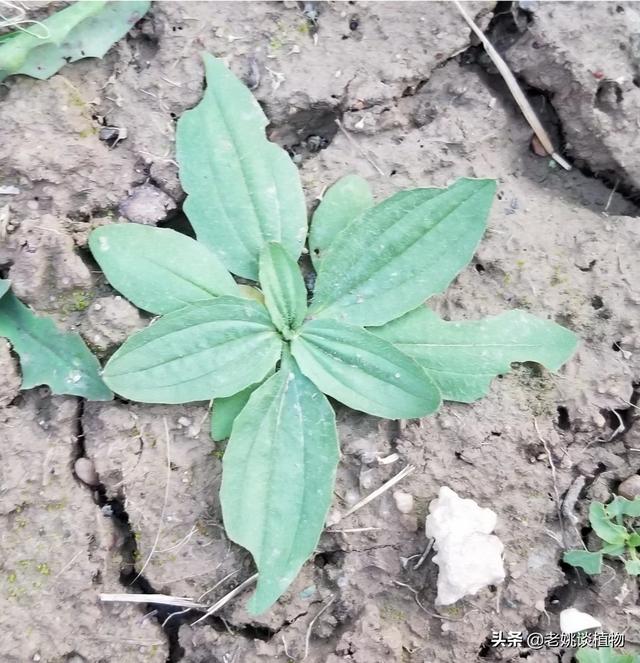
(404,501)
(630,488)
(185,422)
(86,472)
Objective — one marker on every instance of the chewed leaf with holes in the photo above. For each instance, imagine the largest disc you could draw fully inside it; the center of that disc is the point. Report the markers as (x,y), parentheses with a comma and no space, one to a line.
(205,350)
(400,252)
(464,357)
(347,199)
(85,29)
(49,356)
(278,474)
(242,190)
(364,371)
(158,269)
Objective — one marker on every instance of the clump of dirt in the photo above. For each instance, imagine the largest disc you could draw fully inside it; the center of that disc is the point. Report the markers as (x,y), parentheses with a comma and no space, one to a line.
(418,106)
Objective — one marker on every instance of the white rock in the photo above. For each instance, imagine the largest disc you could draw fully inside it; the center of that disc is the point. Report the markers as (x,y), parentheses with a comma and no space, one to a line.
(404,501)
(469,557)
(574,621)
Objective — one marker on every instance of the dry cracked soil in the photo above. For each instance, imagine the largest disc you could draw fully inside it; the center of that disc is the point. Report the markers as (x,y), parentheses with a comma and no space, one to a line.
(401,94)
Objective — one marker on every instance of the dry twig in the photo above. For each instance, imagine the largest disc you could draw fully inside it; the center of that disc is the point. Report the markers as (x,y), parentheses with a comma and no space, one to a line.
(515,89)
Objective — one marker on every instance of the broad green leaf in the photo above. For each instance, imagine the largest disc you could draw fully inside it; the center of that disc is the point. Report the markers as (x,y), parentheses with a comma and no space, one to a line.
(601,524)
(158,269)
(278,475)
(634,540)
(400,252)
(5,284)
(464,357)
(242,190)
(363,371)
(285,295)
(621,506)
(613,549)
(85,29)
(632,567)
(49,356)
(209,349)
(347,199)
(225,411)
(604,655)
(589,562)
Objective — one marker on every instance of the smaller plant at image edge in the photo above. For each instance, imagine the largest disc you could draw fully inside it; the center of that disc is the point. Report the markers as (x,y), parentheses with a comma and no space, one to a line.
(615,525)
(268,357)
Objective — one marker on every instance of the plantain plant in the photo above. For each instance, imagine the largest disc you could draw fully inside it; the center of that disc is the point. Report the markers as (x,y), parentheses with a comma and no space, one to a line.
(268,357)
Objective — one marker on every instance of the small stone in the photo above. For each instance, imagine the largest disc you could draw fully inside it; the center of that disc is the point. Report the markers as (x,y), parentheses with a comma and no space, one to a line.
(185,422)
(86,472)
(147,205)
(630,488)
(404,501)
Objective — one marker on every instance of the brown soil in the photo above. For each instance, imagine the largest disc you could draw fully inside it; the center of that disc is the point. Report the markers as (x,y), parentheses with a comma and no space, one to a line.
(420,105)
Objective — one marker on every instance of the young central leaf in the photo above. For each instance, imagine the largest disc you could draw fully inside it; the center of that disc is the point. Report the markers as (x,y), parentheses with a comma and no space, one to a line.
(363,371)
(278,475)
(158,269)
(400,252)
(242,190)
(285,295)
(204,350)
(463,357)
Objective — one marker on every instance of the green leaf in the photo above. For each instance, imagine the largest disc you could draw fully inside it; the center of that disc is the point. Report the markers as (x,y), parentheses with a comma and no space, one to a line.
(613,549)
(621,506)
(225,411)
(5,284)
(278,475)
(363,371)
(603,655)
(158,269)
(464,357)
(285,295)
(242,190)
(632,567)
(85,29)
(205,350)
(347,199)
(400,252)
(49,356)
(589,562)
(601,523)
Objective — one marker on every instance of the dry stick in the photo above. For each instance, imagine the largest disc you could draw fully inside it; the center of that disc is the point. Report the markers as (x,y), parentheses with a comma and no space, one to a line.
(164,505)
(555,483)
(419,604)
(307,636)
(383,488)
(355,145)
(225,599)
(183,612)
(162,599)
(515,89)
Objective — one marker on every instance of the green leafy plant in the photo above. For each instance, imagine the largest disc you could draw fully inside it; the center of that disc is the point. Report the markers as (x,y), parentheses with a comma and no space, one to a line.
(614,524)
(604,655)
(85,29)
(49,356)
(268,357)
